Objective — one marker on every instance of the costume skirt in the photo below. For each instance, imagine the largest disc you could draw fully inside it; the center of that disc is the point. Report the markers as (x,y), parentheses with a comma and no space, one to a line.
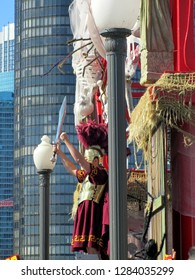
(89,230)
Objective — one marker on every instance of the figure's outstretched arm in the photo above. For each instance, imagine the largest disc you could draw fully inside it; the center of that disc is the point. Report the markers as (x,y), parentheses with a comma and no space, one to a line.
(68,164)
(77,156)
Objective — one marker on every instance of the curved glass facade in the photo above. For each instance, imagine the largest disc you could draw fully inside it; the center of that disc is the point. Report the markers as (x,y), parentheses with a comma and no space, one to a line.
(41,32)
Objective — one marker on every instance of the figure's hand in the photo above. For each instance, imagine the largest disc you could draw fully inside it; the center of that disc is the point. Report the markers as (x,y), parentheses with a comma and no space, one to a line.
(56,148)
(64,137)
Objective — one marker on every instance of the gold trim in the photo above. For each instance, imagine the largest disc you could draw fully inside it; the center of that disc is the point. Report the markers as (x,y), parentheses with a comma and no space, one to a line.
(139,176)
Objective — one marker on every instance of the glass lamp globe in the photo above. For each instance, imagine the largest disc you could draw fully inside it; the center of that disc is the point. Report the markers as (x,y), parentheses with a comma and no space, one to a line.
(42,155)
(109,14)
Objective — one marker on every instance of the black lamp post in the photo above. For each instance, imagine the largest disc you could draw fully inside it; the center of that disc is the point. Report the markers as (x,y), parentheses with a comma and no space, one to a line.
(114,19)
(42,155)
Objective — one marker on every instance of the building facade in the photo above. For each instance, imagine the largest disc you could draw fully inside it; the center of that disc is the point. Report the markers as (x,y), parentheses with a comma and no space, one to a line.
(7,49)
(6,139)
(6,173)
(41,31)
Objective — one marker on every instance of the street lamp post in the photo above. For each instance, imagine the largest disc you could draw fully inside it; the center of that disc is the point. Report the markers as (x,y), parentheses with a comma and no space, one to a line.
(42,155)
(115,45)
(114,19)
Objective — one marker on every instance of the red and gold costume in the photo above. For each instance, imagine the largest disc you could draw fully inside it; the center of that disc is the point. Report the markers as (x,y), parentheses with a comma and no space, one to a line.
(91,219)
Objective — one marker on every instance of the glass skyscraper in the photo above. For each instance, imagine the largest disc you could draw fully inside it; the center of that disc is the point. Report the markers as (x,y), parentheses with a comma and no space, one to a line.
(6,173)
(6,139)
(41,31)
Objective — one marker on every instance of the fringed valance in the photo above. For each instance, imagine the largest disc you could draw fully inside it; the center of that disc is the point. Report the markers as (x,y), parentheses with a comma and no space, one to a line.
(168,101)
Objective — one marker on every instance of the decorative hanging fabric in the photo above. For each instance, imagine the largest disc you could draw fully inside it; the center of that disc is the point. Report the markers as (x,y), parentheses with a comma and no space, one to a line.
(156,40)
(168,101)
